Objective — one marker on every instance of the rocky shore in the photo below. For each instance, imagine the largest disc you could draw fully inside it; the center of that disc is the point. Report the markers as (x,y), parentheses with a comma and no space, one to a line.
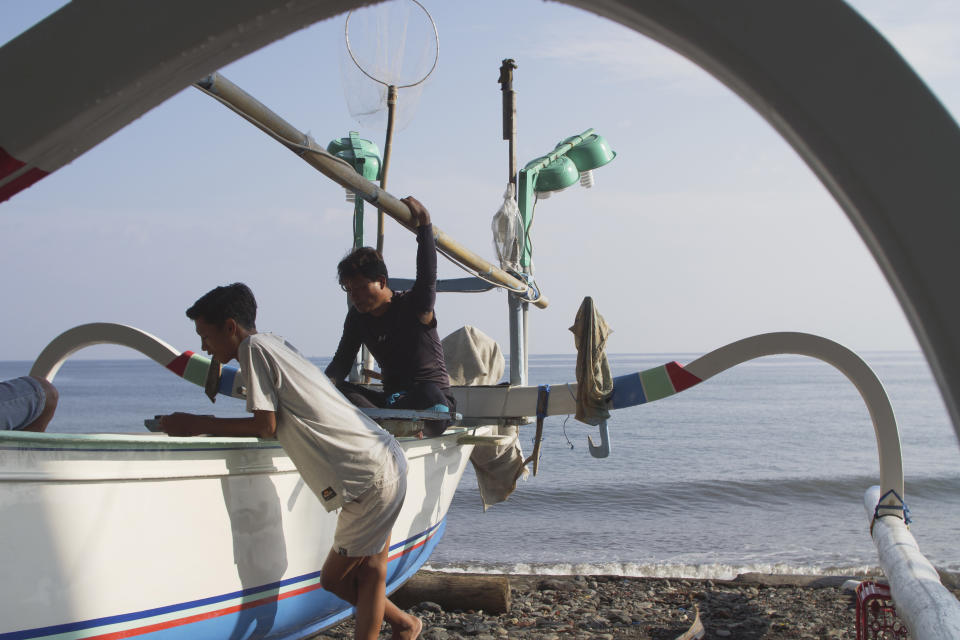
(750,607)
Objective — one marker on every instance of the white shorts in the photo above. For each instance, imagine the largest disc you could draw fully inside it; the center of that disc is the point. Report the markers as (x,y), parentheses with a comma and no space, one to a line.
(364,524)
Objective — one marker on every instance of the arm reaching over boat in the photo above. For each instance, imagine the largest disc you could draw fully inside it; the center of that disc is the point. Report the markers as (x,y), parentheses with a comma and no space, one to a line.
(263,424)
(398,328)
(348,461)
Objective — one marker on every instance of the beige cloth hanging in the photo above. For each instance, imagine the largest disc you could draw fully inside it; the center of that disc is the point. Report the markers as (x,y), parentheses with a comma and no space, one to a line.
(474,358)
(594,382)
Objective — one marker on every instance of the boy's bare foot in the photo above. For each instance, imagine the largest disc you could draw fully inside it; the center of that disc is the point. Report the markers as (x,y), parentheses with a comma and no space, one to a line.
(410,633)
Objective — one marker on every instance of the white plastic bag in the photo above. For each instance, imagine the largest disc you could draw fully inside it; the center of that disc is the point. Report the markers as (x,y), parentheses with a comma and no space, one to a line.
(508,232)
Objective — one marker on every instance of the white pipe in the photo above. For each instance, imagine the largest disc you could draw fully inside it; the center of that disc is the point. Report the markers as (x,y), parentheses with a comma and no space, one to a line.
(928,609)
(50,360)
(846,362)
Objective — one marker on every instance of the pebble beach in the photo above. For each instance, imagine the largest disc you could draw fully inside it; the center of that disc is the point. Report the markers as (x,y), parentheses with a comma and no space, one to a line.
(749,607)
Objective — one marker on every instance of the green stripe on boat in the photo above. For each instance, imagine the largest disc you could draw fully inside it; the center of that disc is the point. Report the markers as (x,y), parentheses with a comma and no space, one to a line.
(656,383)
(196,371)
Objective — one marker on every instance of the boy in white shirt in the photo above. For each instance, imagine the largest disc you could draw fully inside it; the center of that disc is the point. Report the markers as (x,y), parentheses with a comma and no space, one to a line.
(347,460)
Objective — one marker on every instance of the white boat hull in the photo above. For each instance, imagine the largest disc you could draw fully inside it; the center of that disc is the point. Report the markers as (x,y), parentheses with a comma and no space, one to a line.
(114,536)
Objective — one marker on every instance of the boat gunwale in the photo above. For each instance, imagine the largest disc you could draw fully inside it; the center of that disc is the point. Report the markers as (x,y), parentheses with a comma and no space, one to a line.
(30,458)
(163,442)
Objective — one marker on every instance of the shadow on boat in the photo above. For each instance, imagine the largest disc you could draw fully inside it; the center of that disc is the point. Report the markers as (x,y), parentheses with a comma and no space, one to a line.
(259,547)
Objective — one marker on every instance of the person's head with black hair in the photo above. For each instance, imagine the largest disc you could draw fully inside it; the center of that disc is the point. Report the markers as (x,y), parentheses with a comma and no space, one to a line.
(363,275)
(224,317)
(365,262)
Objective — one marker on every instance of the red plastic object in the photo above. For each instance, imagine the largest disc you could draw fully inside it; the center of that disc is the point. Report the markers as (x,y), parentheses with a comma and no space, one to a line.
(876,616)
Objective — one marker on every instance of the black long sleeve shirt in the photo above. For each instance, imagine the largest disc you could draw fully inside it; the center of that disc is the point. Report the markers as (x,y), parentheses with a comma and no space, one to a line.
(408,350)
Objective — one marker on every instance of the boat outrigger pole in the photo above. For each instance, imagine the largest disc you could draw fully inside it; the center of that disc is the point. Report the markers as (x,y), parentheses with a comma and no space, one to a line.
(343,174)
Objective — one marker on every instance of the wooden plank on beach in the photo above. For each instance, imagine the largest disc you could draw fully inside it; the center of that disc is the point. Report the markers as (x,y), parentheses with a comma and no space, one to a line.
(452,591)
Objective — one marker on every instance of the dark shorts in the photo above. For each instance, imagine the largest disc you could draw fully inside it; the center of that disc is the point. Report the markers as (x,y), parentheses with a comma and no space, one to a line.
(21,402)
(422,395)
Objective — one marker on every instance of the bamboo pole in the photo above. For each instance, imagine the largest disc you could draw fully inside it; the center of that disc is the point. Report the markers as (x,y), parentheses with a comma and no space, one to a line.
(387,150)
(343,174)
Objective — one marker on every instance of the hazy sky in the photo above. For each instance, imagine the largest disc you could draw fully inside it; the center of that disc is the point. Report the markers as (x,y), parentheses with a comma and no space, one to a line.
(705,229)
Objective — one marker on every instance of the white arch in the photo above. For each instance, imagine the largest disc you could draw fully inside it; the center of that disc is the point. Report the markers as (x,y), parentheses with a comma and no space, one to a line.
(53,356)
(846,362)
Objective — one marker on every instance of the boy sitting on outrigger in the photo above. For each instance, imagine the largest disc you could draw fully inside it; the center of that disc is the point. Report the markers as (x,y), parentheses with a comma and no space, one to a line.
(348,461)
(398,328)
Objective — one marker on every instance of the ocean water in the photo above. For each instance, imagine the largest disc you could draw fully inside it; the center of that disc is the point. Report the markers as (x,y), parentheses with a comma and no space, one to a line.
(761,468)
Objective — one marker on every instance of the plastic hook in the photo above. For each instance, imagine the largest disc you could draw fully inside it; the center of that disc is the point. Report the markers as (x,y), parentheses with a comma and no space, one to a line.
(603,449)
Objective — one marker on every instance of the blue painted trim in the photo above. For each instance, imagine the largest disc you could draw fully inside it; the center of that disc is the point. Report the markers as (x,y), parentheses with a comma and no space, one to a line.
(628,391)
(148,613)
(227,376)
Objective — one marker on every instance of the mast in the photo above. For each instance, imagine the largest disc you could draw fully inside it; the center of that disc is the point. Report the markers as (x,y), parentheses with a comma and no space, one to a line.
(516,307)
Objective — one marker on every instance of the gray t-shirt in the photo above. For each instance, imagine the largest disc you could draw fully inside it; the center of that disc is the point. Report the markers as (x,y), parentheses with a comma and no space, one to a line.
(339,451)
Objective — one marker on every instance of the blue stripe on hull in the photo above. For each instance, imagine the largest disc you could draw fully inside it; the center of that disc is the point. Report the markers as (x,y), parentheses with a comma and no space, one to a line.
(308,609)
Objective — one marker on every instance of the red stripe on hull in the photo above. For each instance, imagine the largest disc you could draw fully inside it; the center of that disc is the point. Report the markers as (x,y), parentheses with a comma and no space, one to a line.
(160,626)
(680,377)
(409,549)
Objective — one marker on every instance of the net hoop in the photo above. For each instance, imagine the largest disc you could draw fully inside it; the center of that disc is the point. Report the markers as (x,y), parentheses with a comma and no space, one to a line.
(436,56)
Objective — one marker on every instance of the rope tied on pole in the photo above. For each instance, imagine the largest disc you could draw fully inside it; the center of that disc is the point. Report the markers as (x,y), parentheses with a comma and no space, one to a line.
(902,507)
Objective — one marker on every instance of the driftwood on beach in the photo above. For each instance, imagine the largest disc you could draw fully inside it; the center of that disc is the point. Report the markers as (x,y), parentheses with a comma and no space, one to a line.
(456,591)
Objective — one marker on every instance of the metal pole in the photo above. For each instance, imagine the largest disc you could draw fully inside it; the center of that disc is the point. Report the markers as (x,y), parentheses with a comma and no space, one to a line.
(509,115)
(516,313)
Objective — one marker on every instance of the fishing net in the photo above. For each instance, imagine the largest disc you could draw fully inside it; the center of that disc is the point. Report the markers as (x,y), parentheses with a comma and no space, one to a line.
(394,43)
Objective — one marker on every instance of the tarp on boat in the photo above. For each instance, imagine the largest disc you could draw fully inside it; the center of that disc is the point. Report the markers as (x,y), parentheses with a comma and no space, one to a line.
(474,358)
